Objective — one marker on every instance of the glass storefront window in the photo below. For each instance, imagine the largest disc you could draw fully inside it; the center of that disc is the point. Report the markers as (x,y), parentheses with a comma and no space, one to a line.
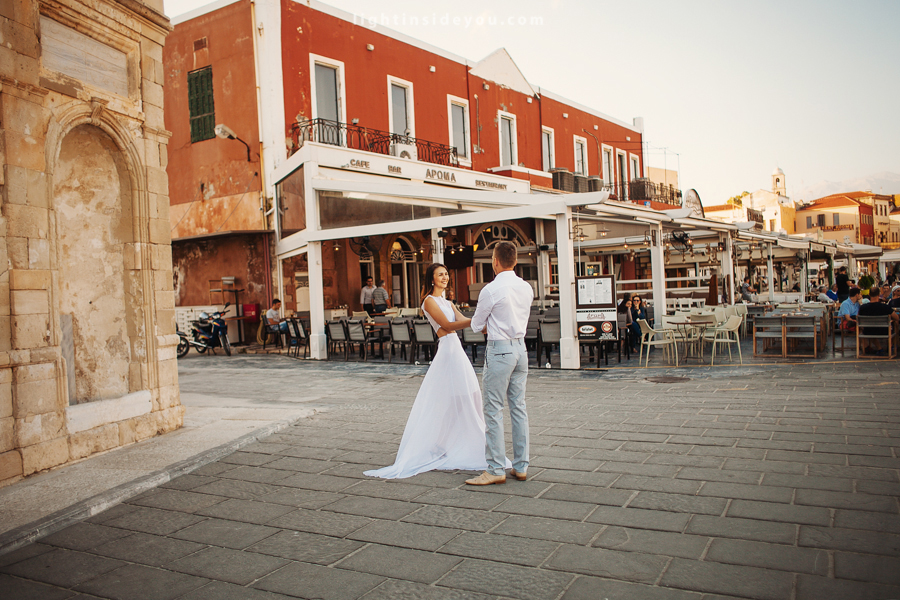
(337,210)
(292,203)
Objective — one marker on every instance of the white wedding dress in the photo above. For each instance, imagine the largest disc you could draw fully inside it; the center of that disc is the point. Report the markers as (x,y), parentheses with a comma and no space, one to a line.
(445,429)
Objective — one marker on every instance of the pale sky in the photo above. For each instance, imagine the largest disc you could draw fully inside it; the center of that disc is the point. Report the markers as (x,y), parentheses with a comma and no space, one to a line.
(730,88)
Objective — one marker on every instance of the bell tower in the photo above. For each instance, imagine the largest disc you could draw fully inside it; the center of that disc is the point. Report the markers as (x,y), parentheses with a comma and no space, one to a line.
(778,184)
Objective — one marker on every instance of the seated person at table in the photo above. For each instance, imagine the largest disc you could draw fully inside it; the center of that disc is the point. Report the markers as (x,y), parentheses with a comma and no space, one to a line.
(635,329)
(832,293)
(273,317)
(895,298)
(747,289)
(638,310)
(876,307)
(849,310)
(823,296)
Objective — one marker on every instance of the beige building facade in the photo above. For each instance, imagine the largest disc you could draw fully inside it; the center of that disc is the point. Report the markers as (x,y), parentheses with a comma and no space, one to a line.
(87,328)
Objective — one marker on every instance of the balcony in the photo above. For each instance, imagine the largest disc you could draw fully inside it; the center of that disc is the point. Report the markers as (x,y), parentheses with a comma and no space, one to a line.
(346,135)
(637,190)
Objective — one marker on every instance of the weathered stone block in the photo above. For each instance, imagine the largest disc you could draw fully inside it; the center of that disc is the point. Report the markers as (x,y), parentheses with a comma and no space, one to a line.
(34,429)
(16,185)
(35,397)
(18,66)
(163,156)
(7,434)
(21,279)
(165,300)
(95,440)
(27,221)
(30,331)
(157,182)
(167,353)
(6,334)
(168,372)
(169,396)
(19,37)
(44,456)
(6,406)
(25,150)
(162,280)
(10,465)
(152,94)
(153,116)
(17,247)
(165,322)
(29,302)
(160,232)
(22,116)
(38,254)
(161,257)
(170,419)
(36,372)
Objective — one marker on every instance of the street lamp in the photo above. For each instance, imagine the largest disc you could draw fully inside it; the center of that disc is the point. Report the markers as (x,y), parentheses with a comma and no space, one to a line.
(226,133)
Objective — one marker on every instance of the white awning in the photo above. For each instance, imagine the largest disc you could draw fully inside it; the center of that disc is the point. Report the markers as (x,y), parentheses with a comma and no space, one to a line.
(890,256)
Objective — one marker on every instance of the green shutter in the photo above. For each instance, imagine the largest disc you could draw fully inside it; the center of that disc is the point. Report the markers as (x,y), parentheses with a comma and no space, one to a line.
(201,105)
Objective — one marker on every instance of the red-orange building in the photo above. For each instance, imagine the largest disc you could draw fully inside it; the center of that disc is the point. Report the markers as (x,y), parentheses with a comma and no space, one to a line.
(281,73)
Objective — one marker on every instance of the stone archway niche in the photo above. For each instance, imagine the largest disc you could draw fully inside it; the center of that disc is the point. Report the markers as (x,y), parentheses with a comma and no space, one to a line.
(99,299)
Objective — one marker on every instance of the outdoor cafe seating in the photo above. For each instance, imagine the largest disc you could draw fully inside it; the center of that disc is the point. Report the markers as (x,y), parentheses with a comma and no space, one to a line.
(877,328)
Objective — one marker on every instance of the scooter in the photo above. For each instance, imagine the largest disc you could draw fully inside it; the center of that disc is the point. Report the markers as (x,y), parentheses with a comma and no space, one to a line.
(207,333)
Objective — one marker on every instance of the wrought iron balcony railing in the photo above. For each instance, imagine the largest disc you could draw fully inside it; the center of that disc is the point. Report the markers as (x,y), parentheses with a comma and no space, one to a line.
(641,190)
(348,135)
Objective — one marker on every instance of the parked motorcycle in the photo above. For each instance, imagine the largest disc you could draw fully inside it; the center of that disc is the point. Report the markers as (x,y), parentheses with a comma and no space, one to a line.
(207,333)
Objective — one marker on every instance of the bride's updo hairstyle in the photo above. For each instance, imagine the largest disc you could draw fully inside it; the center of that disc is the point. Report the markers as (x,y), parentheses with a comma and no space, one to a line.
(428,286)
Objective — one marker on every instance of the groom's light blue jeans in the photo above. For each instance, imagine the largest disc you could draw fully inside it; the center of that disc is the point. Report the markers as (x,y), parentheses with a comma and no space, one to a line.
(505,370)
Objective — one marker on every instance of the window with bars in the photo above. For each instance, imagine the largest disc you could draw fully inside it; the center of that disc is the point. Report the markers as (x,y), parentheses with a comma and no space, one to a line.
(201,105)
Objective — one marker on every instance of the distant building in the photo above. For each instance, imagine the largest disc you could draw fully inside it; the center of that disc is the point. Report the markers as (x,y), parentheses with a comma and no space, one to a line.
(771,209)
(836,217)
(881,206)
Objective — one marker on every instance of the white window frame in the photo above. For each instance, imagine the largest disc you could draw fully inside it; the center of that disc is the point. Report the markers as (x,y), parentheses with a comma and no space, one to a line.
(315,59)
(514,134)
(577,139)
(608,178)
(552,146)
(451,100)
(410,104)
(636,173)
(618,168)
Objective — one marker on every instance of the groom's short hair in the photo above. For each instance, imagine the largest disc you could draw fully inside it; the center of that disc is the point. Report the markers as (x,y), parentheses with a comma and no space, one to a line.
(506,254)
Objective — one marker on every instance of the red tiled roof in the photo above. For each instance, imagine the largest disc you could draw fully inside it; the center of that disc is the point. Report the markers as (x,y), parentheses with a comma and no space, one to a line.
(833,201)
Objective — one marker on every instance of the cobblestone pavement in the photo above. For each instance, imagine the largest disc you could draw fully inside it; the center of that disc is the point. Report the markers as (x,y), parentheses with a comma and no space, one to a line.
(777,482)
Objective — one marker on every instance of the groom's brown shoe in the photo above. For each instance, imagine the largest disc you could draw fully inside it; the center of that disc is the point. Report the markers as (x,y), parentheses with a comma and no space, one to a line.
(517,475)
(487,479)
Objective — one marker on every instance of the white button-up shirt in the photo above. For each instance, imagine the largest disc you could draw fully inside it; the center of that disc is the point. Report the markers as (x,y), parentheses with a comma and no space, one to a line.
(504,306)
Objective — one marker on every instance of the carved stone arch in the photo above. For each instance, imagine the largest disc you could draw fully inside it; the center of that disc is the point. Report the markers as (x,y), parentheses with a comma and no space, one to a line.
(136,253)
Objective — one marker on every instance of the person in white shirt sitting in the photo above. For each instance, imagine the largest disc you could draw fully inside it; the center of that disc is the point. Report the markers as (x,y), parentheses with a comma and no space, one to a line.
(273,316)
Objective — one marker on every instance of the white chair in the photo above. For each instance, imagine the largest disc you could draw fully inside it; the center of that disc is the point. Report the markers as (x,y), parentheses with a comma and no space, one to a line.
(648,339)
(727,334)
(742,312)
(719,312)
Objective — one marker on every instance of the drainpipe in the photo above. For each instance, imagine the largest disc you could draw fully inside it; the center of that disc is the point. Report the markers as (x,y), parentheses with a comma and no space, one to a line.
(599,154)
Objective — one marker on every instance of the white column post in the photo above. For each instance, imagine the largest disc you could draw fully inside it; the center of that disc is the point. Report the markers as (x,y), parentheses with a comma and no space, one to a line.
(882,270)
(318,342)
(728,268)
(318,347)
(569,352)
(770,274)
(658,275)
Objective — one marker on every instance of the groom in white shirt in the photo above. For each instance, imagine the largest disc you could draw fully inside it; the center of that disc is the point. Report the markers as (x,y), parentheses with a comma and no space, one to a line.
(503,308)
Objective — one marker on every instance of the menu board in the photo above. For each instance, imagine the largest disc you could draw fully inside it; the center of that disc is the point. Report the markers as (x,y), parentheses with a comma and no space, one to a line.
(595,313)
(595,292)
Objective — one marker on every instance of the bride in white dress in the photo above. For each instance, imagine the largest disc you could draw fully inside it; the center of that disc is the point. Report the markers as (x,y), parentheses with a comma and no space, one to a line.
(445,429)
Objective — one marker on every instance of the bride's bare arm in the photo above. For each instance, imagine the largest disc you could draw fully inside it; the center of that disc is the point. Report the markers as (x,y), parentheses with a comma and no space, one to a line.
(432,308)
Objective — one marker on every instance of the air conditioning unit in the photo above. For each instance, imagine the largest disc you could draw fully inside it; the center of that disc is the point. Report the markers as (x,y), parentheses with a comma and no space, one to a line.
(407,151)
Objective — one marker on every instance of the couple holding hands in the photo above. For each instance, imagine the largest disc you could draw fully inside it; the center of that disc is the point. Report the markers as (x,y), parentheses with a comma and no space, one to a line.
(452,426)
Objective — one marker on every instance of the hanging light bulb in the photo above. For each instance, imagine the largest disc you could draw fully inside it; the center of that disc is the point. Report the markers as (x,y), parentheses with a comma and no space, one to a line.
(626,245)
(337,246)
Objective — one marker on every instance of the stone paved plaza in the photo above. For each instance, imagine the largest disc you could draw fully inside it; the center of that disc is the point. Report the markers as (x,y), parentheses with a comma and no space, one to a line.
(775,482)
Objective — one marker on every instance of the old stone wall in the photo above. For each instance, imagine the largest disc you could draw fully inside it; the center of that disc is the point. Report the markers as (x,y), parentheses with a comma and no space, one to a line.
(87,344)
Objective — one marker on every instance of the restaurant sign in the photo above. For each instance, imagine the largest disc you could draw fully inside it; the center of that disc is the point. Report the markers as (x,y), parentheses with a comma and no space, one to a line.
(837,227)
(595,310)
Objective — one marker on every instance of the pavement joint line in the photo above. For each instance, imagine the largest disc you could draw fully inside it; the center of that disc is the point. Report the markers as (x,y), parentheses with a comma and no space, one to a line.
(84,509)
